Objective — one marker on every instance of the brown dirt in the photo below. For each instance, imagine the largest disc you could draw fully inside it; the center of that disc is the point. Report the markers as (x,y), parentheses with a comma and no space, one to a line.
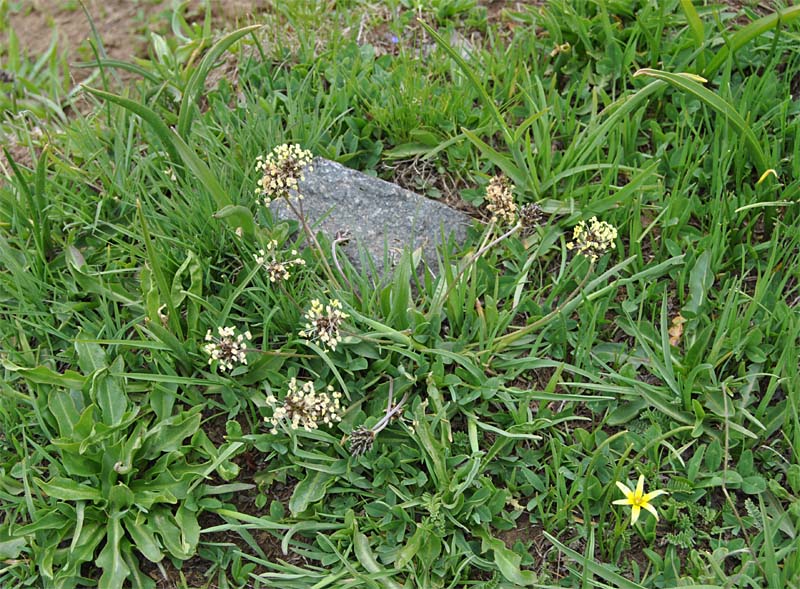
(123,25)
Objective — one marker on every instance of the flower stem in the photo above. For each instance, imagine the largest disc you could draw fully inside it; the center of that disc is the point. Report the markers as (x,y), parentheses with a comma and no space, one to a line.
(473,258)
(342,239)
(298,212)
(504,341)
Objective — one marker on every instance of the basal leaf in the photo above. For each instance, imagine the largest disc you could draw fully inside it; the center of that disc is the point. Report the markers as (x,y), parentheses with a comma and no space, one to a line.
(308,491)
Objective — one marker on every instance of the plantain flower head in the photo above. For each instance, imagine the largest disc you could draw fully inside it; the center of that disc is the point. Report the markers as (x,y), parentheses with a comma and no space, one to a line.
(593,239)
(500,196)
(282,171)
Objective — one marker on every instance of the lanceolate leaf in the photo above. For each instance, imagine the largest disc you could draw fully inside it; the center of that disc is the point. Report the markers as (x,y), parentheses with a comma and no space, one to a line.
(197,82)
(691,86)
(310,490)
(68,490)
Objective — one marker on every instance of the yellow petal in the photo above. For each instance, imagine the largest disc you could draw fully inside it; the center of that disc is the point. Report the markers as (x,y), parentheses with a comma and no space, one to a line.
(651,509)
(635,510)
(625,490)
(621,502)
(652,494)
(640,486)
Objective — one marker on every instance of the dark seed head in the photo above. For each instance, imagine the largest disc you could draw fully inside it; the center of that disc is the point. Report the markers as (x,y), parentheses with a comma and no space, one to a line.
(531,216)
(361,441)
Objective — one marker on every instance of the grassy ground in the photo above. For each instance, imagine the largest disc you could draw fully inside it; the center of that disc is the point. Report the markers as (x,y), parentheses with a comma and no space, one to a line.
(528,382)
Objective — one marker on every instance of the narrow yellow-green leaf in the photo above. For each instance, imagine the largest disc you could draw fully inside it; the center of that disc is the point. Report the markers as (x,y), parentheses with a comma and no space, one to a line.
(596,568)
(158,273)
(487,100)
(178,150)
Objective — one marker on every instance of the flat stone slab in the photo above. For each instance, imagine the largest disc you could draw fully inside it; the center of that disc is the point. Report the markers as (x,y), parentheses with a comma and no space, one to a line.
(380,216)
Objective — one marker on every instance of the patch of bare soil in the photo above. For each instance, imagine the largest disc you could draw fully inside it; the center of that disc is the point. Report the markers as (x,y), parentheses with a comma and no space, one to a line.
(124,26)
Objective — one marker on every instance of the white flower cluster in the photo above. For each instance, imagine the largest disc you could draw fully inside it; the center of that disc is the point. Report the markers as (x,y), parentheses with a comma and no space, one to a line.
(500,196)
(228,348)
(594,239)
(322,323)
(304,407)
(276,269)
(282,171)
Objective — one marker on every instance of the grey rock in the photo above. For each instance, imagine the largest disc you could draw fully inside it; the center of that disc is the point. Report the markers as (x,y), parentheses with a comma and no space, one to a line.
(380,216)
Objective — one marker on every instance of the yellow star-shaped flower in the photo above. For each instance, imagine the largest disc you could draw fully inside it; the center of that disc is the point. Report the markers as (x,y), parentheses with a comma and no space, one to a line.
(638,500)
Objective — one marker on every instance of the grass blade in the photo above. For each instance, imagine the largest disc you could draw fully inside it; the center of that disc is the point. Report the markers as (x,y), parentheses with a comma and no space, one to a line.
(178,150)
(748,33)
(197,82)
(689,85)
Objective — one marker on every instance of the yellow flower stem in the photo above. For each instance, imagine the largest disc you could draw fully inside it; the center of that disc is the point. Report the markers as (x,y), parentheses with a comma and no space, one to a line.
(504,341)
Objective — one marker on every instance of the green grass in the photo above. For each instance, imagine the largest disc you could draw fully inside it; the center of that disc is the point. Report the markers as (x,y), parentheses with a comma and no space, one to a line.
(535,379)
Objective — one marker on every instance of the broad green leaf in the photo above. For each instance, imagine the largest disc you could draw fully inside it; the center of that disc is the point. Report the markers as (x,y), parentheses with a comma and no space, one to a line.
(506,560)
(367,560)
(238,216)
(109,394)
(190,528)
(84,545)
(700,280)
(310,490)
(177,291)
(69,379)
(50,521)
(120,497)
(753,485)
(12,547)
(713,458)
(66,408)
(110,561)
(168,435)
(144,539)
(68,490)
(91,357)
(412,546)
(174,542)
(434,454)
